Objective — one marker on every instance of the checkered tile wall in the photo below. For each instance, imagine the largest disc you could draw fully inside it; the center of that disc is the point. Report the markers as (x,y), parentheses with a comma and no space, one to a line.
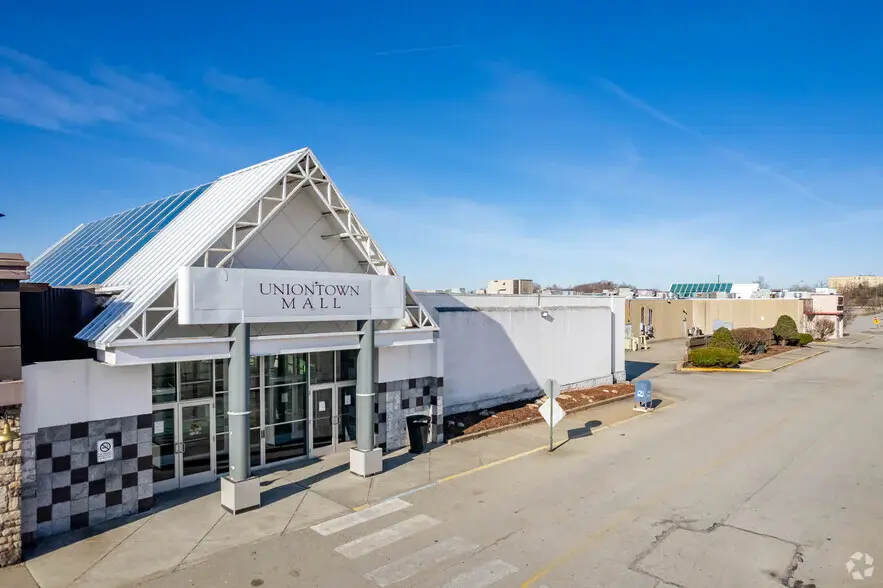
(74,491)
(397,400)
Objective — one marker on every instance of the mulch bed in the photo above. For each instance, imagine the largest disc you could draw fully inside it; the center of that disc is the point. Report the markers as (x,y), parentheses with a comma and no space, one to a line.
(770,351)
(524,411)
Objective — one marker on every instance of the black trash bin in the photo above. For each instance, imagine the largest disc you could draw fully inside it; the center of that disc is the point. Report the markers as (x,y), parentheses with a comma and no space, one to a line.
(418,428)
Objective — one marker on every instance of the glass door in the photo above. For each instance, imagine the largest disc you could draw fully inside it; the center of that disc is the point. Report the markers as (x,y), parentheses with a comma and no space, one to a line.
(196,443)
(183,445)
(346,421)
(322,420)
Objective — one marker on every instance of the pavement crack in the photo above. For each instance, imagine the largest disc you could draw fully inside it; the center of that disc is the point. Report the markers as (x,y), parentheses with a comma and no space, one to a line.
(103,557)
(195,545)
(787,579)
(296,508)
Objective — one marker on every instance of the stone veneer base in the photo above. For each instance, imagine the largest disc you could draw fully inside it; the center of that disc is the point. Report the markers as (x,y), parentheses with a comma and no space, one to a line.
(10,496)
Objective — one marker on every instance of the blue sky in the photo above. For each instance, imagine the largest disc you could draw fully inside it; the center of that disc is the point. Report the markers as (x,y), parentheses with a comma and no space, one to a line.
(650,142)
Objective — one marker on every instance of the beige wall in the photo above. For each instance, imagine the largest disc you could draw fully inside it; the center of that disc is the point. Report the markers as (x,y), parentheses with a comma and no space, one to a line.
(668,315)
(843,282)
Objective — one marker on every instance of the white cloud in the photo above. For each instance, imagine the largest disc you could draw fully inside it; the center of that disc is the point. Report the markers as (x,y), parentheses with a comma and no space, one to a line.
(36,94)
(754,166)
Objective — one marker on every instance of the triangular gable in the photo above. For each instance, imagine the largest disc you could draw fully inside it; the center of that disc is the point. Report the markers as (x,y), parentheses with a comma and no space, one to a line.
(217,226)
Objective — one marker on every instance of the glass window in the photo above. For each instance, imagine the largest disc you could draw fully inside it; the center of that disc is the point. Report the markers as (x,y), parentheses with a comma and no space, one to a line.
(165,384)
(285,404)
(221,422)
(284,369)
(346,365)
(322,367)
(254,372)
(286,441)
(196,379)
(222,369)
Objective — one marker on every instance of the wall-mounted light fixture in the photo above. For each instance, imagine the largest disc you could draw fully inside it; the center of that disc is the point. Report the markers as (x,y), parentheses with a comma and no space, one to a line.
(6,431)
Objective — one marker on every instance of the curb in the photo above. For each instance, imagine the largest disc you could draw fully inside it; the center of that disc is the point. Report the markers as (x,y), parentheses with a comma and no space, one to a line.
(681,368)
(539,419)
(790,363)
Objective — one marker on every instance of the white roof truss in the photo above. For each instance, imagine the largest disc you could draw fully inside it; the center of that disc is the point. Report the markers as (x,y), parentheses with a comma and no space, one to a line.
(306,172)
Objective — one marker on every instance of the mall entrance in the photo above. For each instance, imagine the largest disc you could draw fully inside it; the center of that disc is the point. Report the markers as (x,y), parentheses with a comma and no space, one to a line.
(301,405)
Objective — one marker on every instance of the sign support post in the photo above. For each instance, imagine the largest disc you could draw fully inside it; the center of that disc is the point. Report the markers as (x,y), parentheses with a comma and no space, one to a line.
(240,492)
(550,410)
(365,459)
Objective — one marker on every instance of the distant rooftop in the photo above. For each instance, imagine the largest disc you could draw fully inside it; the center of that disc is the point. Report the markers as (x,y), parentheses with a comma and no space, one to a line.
(692,289)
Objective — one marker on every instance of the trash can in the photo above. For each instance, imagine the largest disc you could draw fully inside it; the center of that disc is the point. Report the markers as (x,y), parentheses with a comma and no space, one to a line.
(418,428)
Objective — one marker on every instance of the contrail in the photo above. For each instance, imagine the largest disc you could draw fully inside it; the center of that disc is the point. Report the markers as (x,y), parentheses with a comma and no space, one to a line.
(418,50)
(751,165)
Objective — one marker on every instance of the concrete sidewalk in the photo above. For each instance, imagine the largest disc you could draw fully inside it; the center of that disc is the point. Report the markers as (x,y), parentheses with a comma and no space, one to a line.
(784,360)
(188,526)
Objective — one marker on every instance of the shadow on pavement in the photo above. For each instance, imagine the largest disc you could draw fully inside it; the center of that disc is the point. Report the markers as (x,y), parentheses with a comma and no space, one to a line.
(635,369)
(584,431)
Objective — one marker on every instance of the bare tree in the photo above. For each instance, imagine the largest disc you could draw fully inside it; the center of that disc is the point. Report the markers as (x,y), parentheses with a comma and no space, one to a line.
(761,281)
(847,317)
(824,328)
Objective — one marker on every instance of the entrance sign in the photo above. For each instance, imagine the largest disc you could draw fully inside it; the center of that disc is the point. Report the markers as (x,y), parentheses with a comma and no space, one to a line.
(104,450)
(218,295)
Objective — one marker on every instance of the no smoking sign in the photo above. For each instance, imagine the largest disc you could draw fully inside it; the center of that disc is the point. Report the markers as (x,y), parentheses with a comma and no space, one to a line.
(104,449)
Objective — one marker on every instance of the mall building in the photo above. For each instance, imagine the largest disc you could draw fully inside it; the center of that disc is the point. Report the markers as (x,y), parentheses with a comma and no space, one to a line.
(157,387)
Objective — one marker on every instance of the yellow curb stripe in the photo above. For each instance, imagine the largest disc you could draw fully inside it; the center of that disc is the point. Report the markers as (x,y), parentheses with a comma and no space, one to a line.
(781,367)
(511,458)
(733,370)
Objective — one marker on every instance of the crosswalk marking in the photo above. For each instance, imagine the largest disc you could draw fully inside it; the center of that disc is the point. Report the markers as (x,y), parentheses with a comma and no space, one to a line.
(387,536)
(482,576)
(363,516)
(418,561)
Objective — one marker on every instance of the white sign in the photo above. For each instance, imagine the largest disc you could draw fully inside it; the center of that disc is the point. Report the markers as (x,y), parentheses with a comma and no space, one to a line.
(347,400)
(552,412)
(217,295)
(552,389)
(104,448)
(321,406)
(159,427)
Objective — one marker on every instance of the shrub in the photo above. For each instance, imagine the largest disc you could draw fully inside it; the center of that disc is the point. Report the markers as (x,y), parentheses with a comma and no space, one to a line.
(785,329)
(723,339)
(804,339)
(750,339)
(824,328)
(714,357)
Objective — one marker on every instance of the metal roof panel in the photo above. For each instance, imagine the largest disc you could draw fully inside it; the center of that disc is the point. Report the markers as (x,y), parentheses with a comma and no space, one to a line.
(154,267)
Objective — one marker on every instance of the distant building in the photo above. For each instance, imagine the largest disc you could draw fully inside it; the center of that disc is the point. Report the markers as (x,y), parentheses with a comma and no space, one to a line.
(841,283)
(510,287)
(714,290)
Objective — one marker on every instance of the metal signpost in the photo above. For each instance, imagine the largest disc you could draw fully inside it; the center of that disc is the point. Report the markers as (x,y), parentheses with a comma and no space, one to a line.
(551,410)
(643,396)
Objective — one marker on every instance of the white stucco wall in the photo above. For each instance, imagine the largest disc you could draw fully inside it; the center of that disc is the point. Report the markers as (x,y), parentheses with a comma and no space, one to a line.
(407,361)
(492,356)
(62,392)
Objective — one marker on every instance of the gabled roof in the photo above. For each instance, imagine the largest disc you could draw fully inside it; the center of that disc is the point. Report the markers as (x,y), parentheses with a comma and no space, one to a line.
(136,254)
(90,254)
(154,268)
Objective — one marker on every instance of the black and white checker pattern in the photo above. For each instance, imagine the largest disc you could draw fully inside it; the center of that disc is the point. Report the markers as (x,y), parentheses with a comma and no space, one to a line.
(397,400)
(75,491)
